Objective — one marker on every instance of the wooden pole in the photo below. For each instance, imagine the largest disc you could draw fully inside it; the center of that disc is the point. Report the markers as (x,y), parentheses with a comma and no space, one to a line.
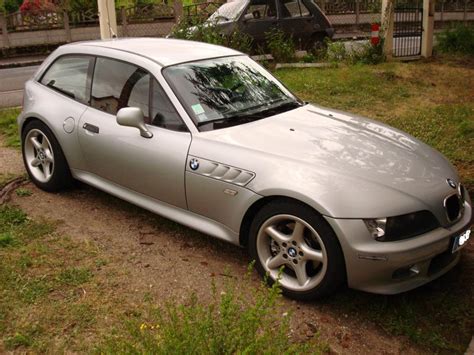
(3,25)
(388,11)
(428,28)
(107,19)
(67,28)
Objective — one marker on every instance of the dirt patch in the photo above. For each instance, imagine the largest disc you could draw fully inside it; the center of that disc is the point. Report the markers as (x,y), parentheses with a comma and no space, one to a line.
(10,160)
(155,256)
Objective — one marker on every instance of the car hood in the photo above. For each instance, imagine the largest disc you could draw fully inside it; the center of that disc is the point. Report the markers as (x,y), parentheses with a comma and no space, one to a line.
(344,151)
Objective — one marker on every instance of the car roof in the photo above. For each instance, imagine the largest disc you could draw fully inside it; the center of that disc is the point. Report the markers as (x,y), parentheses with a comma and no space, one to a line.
(162,50)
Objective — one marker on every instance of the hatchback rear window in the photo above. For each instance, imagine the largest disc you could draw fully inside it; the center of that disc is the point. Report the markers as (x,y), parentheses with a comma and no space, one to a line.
(69,76)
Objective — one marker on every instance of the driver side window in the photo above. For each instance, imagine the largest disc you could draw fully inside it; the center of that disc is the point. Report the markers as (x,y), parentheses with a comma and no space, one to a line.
(117,85)
(261,10)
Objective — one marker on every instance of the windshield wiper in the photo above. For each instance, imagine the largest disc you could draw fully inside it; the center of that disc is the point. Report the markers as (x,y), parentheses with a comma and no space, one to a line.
(282,108)
(254,116)
(232,120)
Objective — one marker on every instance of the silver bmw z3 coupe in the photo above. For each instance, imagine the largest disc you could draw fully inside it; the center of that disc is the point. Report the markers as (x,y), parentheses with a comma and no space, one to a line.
(205,136)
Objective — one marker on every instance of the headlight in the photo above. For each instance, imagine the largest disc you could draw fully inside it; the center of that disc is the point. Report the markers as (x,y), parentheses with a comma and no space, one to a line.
(401,227)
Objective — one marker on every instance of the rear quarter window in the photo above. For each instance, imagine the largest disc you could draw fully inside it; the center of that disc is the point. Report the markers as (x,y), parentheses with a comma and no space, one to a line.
(69,76)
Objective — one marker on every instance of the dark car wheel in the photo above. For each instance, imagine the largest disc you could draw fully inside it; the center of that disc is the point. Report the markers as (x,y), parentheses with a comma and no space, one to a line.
(292,237)
(43,158)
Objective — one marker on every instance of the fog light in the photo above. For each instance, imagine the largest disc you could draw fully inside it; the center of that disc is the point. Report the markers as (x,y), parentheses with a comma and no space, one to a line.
(376,227)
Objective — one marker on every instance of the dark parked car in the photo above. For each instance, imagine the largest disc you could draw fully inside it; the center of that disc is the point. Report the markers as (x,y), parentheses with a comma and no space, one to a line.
(302,19)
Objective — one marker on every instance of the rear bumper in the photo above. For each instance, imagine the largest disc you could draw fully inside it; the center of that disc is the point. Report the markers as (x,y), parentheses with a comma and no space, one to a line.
(394,267)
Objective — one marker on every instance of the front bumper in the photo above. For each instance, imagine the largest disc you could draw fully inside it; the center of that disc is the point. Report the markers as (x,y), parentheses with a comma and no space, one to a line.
(394,267)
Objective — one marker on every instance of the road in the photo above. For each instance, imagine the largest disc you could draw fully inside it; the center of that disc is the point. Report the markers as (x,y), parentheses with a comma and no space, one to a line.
(11,85)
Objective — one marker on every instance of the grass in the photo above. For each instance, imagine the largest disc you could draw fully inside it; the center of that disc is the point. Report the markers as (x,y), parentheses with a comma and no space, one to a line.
(59,294)
(432,101)
(8,126)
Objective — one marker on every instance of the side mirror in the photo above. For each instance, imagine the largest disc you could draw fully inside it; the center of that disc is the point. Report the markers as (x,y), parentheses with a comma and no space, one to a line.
(133,117)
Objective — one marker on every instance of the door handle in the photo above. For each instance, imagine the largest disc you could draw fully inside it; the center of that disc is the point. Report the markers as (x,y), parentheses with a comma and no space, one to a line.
(91,128)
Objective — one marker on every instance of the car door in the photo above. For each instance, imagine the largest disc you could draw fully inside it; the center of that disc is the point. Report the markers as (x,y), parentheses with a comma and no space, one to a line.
(259,17)
(296,20)
(150,166)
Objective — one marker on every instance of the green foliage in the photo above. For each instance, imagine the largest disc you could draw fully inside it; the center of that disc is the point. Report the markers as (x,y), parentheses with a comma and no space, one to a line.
(8,126)
(458,40)
(309,58)
(6,239)
(336,52)
(11,217)
(232,323)
(74,276)
(280,45)
(200,30)
(22,192)
(369,54)
(366,53)
(10,6)
(17,340)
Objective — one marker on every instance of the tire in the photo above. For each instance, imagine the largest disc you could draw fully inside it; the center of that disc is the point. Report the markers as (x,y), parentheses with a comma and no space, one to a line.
(317,43)
(43,158)
(293,237)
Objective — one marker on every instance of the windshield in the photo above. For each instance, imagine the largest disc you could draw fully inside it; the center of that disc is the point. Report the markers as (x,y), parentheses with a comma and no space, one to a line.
(228,12)
(222,92)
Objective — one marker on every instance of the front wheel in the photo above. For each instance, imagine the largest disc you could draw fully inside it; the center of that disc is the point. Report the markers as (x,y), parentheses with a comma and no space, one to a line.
(291,242)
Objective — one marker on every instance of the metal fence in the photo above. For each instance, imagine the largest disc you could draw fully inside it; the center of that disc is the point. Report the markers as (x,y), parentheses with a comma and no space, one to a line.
(349,17)
(353,17)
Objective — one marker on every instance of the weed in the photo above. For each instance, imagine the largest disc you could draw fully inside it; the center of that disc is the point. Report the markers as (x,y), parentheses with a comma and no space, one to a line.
(369,54)
(8,126)
(22,192)
(17,341)
(336,52)
(74,276)
(6,239)
(198,29)
(232,323)
(457,40)
(11,217)
(280,45)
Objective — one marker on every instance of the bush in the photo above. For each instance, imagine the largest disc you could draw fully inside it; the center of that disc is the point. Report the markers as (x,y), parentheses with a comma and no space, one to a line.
(232,323)
(203,31)
(369,54)
(281,46)
(336,52)
(458,40)
(366,54)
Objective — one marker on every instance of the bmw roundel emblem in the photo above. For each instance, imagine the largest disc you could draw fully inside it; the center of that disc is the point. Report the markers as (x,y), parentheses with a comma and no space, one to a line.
(194,164)
(451,183)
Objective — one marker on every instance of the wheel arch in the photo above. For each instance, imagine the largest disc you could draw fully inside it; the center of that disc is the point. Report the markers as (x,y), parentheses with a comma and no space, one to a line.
(31,118)
(257,205)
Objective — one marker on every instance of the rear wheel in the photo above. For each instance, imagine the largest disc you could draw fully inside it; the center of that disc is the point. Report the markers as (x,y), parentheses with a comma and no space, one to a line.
(43,158)
(291,242)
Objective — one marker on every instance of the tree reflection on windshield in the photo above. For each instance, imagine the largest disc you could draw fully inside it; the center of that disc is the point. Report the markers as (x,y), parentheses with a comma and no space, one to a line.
(226,88)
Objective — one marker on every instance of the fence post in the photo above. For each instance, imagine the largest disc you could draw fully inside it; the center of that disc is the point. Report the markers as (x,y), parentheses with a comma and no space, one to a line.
(388,13)
(323,6)
(464,16)
(357,11)
(66,26)
(123,15)
(178,10)
(441,15)
(3,25)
